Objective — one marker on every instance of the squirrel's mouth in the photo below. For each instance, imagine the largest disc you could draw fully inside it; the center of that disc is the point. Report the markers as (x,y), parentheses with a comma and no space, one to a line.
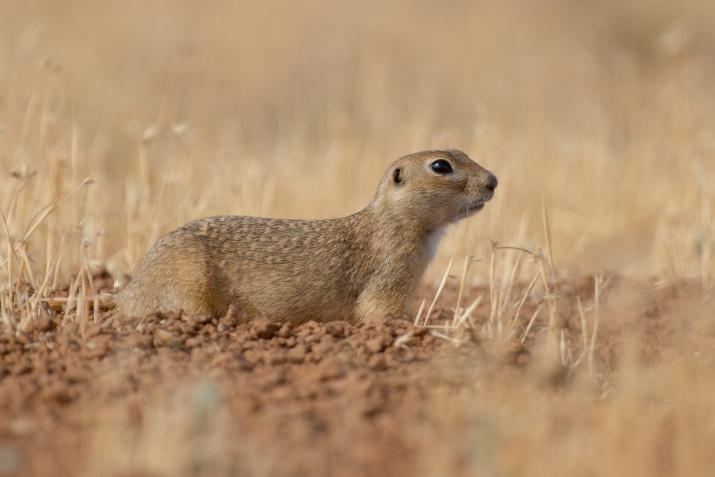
(475,207)
(468,210)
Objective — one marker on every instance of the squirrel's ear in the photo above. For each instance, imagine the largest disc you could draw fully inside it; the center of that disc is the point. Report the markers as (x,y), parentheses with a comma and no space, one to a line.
(397,176)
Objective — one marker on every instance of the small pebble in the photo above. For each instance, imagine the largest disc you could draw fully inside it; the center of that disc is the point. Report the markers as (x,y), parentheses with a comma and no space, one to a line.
(264,328)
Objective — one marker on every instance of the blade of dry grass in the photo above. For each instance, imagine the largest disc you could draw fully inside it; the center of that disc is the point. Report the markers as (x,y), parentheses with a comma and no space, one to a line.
(531,321)
(21,249)
(597,296)
(523,299)
(468,312)
(583,322)
(48,209)
(547,234)
(439,290)
(462,286)
(10,252)
(492,290)
(419,313)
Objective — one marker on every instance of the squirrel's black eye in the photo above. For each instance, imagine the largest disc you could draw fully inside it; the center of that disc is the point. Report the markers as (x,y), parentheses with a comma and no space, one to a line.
(440,166)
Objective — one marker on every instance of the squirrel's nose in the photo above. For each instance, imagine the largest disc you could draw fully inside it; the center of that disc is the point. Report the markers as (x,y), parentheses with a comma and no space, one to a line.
(492,182)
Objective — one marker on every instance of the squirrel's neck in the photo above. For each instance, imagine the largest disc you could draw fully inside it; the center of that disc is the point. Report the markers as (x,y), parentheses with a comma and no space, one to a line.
(398,240)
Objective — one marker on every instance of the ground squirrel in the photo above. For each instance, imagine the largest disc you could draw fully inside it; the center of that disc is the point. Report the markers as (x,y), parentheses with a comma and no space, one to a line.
(352,268)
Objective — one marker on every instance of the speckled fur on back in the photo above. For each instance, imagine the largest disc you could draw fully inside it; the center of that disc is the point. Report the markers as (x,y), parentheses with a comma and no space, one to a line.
(351,268)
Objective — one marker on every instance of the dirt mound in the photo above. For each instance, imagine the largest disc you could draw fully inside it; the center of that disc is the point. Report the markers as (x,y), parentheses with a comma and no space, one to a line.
(302,384)
(189,395)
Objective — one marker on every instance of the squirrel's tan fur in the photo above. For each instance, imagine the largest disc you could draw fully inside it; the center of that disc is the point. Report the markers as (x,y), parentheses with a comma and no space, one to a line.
(351,268)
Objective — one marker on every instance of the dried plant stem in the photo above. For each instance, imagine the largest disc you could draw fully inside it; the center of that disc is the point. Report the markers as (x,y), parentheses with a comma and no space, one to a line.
(25,301)
(56,273)
(597,293)
(706,255)
(40,293)
(21,249)
(85,263)
(468,312)
(11,212)
(74,286)
(82,306)
(419,313)
(500,327)
(583,323)
(549,300)
(547,233)
(8,263)
(59,253)
(64,299)
(439,290)
(531,321)
(20,274)
(523,300)
(455,342)
(515,272)
(38,219)
(492,290)
(462,286)
(7,315)
(43,213)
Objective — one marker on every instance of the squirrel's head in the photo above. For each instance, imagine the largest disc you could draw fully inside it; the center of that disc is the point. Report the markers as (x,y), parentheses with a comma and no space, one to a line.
(431,189)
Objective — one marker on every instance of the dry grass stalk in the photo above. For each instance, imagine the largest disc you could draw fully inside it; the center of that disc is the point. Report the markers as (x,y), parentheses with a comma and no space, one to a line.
(492,290)
(497,325)
(17,250)
(72,296)
(467,315)
(523,299)
(514,272)
(549,298)
(531,321)
(598,283)
(439,290)
(583,323)
(547,234)
(6,315)
(58,263)
(455,341)
(82,313)
(419,313)
(462,285)
(21,250)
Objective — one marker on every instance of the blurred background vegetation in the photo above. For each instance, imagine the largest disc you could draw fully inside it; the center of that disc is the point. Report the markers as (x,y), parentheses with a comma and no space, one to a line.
(603,113)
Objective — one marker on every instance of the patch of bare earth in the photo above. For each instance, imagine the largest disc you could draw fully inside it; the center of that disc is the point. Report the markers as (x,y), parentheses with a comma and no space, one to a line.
(190,395)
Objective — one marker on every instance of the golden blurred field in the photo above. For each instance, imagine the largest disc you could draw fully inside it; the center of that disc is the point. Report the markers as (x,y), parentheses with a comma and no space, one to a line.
(602,111)
(598,118)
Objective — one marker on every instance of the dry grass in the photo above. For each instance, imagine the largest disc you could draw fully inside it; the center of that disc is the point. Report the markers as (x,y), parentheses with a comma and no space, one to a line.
(123,120)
